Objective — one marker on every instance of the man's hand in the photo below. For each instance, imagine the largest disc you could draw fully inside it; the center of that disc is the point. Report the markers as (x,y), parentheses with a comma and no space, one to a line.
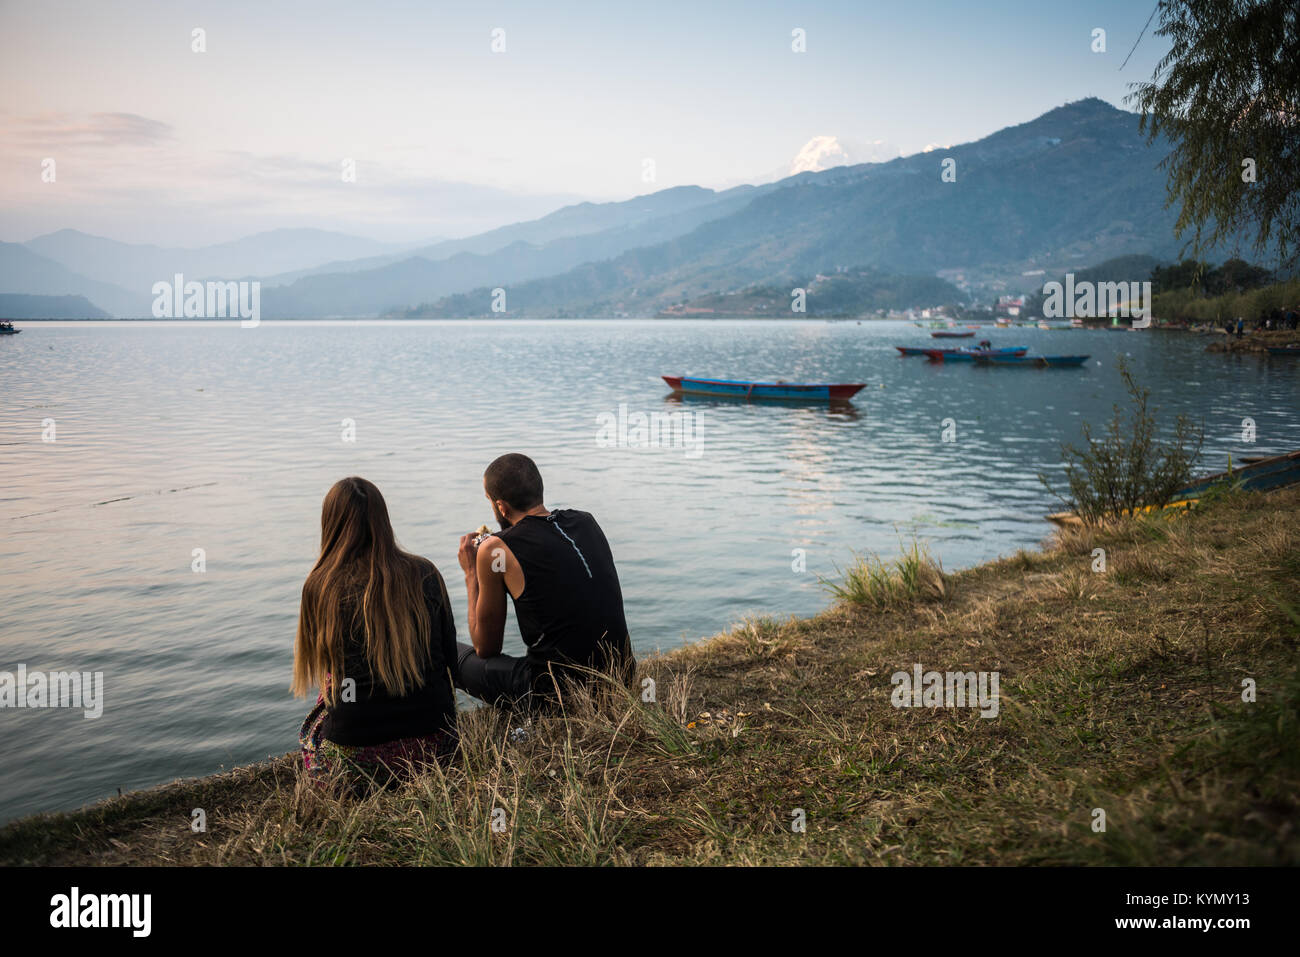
(467,555)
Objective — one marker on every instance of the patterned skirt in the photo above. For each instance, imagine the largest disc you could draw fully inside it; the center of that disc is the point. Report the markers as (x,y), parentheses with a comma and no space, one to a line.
(382,764)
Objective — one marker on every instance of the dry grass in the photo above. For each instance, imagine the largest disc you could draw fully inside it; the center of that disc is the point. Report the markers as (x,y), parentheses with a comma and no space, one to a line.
(1120,690)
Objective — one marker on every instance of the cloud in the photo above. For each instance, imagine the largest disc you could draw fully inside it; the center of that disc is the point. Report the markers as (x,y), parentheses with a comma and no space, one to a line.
(131,177)
(49,131)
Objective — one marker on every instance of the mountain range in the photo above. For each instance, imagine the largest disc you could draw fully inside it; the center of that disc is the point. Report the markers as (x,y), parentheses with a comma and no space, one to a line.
(1076,186)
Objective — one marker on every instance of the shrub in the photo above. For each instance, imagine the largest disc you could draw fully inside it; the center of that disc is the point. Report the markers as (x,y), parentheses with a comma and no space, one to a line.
(1128,466)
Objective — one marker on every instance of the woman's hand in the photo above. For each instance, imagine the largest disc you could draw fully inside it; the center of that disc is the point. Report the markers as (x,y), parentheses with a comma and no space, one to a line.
(467,555)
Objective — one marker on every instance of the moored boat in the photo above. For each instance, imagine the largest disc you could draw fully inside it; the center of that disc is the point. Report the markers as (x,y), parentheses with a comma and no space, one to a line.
(970,355)
(931,351)
(952,334)
(1255,475)
(1041,362)
(748,389)
(1276,471)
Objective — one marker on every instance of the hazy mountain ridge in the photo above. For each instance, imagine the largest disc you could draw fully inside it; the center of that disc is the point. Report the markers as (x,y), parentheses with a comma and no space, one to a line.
(1075,186)
(15,305)
(853,292)
(416,278)
(25,272)
(137,266)
(578,219)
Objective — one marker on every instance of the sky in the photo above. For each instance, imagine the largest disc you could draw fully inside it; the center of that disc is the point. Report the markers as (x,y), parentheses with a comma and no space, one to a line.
(155,142)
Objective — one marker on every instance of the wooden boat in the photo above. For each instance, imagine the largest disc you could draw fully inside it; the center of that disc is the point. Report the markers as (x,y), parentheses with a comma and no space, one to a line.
(952,334)
(1284,350)
(746,389)
(1041,362)
(1255,475)
(1259,475)
(930,351)
(970,355)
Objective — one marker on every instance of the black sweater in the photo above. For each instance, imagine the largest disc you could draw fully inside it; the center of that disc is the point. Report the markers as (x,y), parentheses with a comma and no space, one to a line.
(375,716)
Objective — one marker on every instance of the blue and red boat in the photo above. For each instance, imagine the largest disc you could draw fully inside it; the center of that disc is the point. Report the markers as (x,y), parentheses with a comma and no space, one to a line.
(748,389)
(970,355)
(1041,362)
(967,350)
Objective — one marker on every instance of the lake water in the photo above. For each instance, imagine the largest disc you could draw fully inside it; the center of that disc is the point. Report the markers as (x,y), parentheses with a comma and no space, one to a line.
(174,437)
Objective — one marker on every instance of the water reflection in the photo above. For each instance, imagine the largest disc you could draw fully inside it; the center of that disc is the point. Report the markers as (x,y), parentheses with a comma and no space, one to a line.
(834,408)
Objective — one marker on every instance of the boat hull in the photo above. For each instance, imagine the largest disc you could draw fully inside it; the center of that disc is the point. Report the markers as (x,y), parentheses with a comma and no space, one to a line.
(745,389)
(1037,362)
(1261,475)
(970,355)
(952,335)
(933,352)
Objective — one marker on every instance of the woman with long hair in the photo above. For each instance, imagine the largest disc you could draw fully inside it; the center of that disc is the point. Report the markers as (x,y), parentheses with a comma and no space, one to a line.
(377,637)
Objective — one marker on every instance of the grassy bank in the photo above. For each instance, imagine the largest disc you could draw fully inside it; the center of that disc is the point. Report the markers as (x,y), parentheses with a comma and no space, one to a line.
(1120,690)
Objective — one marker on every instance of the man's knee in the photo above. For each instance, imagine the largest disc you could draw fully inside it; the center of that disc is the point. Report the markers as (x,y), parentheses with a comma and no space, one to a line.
(467,668)
(499,680)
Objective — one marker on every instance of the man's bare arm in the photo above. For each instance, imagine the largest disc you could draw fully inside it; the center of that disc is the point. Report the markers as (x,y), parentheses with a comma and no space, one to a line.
(484,568)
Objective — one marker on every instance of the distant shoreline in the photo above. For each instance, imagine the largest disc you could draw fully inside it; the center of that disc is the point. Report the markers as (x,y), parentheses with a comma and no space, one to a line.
(1057,324)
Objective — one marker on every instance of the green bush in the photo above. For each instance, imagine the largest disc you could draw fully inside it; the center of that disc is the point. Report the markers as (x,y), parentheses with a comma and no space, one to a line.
(1129,466)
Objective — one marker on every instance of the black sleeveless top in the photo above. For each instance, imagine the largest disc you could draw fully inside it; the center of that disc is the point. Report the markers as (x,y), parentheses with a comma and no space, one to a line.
(571,609)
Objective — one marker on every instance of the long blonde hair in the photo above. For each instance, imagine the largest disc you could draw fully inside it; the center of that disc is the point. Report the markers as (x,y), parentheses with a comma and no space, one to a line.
(362,581)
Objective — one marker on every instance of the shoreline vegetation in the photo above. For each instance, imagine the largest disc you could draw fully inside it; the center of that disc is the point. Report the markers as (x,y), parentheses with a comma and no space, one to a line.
(1259,340)
(1122,689)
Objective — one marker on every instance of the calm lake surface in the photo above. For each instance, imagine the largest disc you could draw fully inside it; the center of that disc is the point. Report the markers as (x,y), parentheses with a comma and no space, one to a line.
(173,437)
